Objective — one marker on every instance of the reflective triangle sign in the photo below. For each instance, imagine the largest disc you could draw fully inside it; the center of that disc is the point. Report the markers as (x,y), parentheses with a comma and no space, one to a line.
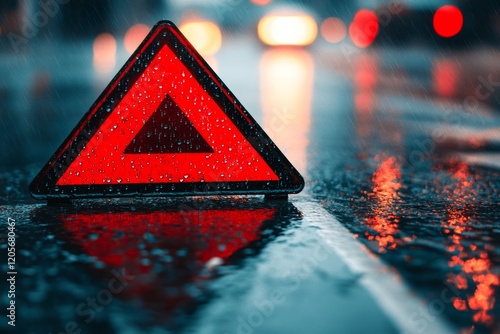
(166,125)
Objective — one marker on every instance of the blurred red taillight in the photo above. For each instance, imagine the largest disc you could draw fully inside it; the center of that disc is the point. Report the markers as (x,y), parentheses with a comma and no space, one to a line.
(448,21)
(364,28)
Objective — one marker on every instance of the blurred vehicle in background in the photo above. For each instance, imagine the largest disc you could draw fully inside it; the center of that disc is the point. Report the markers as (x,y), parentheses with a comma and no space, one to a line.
(380,22)
(435,22)
(274,22)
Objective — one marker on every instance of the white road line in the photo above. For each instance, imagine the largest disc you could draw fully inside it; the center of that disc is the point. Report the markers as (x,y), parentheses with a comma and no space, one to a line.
(408,313)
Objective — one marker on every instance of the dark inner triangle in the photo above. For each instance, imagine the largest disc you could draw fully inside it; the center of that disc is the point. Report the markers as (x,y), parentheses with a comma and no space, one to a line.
(168,130)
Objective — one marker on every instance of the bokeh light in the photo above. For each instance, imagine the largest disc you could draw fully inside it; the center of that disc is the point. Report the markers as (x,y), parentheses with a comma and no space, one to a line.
(104,53)
(295,29)
(261,2)
(333,29)
(364,28)
(205,36)
(448,21)
(134,36)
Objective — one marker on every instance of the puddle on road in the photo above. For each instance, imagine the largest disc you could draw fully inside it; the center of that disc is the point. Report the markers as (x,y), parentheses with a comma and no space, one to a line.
(148,261)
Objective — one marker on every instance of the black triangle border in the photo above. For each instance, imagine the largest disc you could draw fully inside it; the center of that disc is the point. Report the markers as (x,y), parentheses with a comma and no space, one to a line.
(163,33)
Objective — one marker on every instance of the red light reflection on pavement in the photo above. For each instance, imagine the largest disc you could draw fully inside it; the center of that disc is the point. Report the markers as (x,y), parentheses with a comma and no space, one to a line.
(383,220)
(116,238)
(476,278)
(445,77)
(386,185)
(365,82)
(169,253)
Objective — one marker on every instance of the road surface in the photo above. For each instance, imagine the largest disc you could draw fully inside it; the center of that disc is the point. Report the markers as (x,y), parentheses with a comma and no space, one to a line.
(396,231)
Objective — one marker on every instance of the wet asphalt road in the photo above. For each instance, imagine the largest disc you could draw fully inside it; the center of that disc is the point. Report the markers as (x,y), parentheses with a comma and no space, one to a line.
(401,146)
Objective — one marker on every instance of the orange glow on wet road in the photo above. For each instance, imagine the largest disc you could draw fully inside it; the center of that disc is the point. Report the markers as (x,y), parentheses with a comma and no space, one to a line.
(445,77)
(474,263)
(386,186)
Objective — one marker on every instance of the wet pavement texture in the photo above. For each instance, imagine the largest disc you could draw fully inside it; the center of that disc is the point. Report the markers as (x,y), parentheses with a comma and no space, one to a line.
(400,145)
(204,266)
(418,181)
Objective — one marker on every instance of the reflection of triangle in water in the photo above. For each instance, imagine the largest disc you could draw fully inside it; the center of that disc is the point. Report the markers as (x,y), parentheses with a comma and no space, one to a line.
(168,130)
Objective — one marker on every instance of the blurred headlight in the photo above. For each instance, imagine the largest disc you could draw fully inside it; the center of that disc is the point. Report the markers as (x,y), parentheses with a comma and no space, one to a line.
(290,29)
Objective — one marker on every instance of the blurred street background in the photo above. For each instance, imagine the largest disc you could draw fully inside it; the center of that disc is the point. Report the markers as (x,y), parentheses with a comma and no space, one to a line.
(390,111)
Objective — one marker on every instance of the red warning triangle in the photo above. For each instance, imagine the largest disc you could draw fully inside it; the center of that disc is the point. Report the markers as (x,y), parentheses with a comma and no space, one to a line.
(166,125)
